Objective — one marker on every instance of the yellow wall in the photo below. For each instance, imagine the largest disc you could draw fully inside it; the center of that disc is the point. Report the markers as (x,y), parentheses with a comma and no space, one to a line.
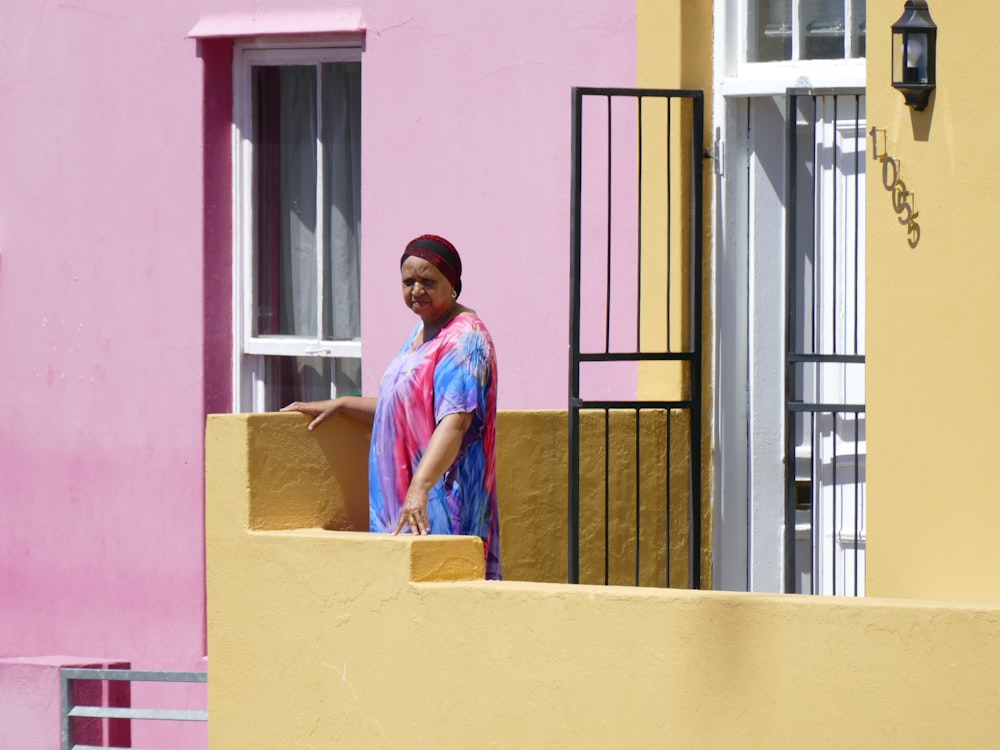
(933,403)
(325,486)
(342,639)
(325,638)
(674,43)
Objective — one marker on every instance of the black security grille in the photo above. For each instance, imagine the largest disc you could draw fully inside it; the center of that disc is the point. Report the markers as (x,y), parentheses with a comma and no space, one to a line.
(636,317)
(825,357)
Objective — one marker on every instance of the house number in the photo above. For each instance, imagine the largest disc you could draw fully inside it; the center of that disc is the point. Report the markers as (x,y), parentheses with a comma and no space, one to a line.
(902,199)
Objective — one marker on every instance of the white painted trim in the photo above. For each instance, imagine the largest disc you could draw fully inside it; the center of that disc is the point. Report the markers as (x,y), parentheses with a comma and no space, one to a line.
(850,75)
(730,368)
(848,542)
(328,21)
(295,346)
(766,347)
(242,380)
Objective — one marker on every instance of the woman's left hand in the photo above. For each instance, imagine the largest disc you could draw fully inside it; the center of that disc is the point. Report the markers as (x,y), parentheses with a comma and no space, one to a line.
(414,512)
(440,454)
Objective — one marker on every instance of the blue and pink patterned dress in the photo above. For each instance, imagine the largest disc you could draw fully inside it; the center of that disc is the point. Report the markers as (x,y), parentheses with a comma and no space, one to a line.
(454,372)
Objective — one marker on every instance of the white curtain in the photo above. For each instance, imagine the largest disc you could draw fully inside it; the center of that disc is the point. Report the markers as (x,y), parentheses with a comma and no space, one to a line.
(297,210)
(342,187)
(338,122)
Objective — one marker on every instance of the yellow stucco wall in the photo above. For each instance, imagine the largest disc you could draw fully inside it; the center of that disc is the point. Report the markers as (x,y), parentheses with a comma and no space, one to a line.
(933,405)
(343,639)
(674,43)
(322,638)
(325,486)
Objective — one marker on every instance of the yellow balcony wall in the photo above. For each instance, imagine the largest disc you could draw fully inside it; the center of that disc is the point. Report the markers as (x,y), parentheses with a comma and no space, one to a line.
(322,638)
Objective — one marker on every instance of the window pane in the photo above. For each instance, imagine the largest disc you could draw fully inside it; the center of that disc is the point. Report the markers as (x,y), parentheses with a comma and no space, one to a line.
(284,179)
(288,379)
(341,86)
(823,23)
(347,376)
(858,27)
(784,30)
(770,26)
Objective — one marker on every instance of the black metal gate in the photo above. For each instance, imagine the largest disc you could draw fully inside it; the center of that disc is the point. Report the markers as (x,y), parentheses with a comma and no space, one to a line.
(825,355)
(635,379)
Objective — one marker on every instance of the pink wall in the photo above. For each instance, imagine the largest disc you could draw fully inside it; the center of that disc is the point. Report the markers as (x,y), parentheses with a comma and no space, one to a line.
(114,268)
(467,134)
(101,324)
(101,320)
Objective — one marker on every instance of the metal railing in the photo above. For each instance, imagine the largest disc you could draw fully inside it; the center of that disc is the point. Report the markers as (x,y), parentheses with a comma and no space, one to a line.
(624,266)
(71,710)
(825,446)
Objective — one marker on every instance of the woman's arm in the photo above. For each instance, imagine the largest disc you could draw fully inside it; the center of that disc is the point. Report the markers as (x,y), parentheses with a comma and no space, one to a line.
(361,408)
(442,450)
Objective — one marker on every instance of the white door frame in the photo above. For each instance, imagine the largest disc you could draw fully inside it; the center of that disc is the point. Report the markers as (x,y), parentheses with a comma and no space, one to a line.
(748,301)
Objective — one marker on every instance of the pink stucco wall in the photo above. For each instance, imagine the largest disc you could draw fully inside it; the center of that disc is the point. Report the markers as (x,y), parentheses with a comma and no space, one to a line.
(467,134)
(114,268)
(101,321)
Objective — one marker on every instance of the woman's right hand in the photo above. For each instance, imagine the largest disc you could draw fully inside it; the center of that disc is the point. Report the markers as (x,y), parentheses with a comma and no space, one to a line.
(320,411)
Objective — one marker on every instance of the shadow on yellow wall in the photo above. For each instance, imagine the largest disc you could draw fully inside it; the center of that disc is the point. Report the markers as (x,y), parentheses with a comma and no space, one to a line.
(319,480)
(324,638)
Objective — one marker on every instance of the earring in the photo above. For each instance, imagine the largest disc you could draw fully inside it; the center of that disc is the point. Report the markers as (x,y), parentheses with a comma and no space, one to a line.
(454,294)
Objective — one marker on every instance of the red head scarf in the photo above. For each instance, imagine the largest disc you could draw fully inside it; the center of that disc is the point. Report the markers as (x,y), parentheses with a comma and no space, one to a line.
(441,254)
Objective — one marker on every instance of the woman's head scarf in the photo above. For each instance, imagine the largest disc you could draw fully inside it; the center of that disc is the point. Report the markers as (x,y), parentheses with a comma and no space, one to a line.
(441,254)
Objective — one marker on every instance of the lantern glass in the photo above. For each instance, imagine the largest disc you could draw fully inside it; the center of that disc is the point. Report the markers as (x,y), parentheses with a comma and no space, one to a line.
(911,57)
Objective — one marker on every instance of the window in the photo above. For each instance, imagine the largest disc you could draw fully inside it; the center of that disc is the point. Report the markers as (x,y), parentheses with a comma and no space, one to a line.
(297,227)
(791,30)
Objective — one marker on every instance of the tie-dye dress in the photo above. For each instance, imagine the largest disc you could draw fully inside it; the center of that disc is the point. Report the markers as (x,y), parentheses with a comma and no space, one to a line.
(454,372)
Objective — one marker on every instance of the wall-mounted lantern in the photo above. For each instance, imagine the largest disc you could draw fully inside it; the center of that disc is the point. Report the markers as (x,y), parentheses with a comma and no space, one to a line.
(914,54)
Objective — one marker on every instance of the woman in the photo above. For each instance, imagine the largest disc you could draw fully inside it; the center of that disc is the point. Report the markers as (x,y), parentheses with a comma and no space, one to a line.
(431,469)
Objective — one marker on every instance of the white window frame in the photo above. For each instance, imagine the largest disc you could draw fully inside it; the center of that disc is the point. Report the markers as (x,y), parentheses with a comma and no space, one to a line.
(249,351)
(741,78)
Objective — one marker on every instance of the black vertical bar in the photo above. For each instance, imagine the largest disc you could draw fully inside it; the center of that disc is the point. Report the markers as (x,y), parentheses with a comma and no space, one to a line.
(814,504)
(607,297)
(638,331)
(813,304)
(791,161)
(833,503)
(857,183)
(607,494)
(638,492)
(607,349)
(638,263)
(573,415)
(857,508)
(748,524)
(833,183)
(697,150)
(670,216)
(669,416)
(816,418)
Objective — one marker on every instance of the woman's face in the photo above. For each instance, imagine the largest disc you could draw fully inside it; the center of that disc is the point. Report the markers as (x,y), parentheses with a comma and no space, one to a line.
(425,289)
